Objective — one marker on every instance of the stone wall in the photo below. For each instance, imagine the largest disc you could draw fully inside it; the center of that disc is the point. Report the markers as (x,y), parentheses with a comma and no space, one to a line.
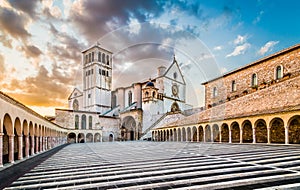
(265,70)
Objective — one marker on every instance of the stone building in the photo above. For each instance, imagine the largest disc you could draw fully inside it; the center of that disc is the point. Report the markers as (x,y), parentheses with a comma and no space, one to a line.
(97,113)
(257,103)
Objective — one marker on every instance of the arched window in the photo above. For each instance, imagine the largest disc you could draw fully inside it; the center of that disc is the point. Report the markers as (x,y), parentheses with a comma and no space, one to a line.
(215,93)
(92,56)
(279,72)
(233,86)
(254,80)
(89,57)
(99,57)
(90,122)
(129,98)
(107,60)
(83,122)
(103,58)
(175,107)
(146,94)
(76,122)
(75,105)
(153,94)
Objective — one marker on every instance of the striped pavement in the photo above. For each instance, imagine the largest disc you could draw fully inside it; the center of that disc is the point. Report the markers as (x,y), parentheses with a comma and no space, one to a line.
(167,165)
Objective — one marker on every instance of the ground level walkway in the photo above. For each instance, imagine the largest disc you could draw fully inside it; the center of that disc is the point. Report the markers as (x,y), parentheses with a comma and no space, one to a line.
(166,165)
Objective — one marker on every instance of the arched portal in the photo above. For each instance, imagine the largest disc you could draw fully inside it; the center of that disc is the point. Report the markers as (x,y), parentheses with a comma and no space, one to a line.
(183,134)
(8,148)
(128,129)
(235,132)
(200,133)
(71,138)
(89,137)
(247,132)
(194,132)
(294,130)
(179,135)
(216,133)
(224,132)
(188,134)
(207,133)
(175,134)
(81,138)
(277,132)
(261,132)
(111,137)
(97,137)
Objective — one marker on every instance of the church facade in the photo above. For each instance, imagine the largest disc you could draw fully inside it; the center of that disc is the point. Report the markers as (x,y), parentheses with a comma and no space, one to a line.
(97,113)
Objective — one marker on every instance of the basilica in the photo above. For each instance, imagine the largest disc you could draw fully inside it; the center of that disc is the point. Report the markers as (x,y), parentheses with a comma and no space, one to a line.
(99,113)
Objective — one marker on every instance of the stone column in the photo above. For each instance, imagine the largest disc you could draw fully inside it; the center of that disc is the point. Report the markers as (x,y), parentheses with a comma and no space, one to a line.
(26,146)
(1,149)
(220,138)
(198,134)
(41,143)
(286,135)
(32,145)
(241,135)
(204,135)
(181,135)
(36,144)
(11,148)
(254,135)
(212,134)
(20,147)
(230,138)
(269,134)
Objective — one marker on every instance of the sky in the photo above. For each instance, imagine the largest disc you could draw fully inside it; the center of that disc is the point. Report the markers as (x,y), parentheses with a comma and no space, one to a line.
(41,41)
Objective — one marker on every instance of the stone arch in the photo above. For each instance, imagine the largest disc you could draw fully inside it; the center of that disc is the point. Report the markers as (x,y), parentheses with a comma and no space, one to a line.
(294,129)
(179,135)
(175,134)
(111,137)
(216,133)
(97,137)
(235,132)
(71,138)
(189,134)
(89,138)
(247,135)
(175,107)
(208,133)
(200,133)
(261,131)
(128,128)
(194,134)
(224,132)
(81,138)
(8,126)
(277,131)
(184,134)
(8,148)
(18,139)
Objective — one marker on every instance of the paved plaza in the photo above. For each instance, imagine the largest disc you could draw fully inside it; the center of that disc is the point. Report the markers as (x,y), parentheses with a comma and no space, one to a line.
(166,165)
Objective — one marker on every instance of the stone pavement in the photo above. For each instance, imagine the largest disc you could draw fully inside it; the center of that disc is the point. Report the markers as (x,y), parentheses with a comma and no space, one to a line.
(166,165)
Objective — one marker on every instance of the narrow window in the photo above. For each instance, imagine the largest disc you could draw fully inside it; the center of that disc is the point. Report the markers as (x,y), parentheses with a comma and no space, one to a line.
(100,71)
(107,60)
(103,58)
(103,72)
(129,98)
(254,80)
(89,95)
(86,58)
(153,94)
(89,57)
(90,122)
(215,93)
(92,56)
(92,71)
(83,122)
(107,73)
(99,57)
(233,86)
(76,121)
(279,72)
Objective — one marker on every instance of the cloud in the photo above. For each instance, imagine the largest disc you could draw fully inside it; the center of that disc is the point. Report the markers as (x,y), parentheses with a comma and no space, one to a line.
(241,49)
(217,48)
(240,39)
(13,24)
(2,67)
(31,51)
(6,41)
(267,47)
(26,6)
(258,18)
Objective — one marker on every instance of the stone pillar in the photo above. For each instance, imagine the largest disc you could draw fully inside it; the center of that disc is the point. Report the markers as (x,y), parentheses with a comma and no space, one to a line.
(181,136)
(41,143)
(26,146)
(198,134)
(241,135)
(20,147)
(36,144)
(174,137)
(11,148)
(286,135)
(269,134)
(254,135)
(1,149)
(230,138)
(45,143)
(212,134)
(220,138)
(32,145)
(204,135)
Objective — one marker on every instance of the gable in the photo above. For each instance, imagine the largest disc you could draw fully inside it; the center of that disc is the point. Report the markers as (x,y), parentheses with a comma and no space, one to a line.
(174,73)
(75,93)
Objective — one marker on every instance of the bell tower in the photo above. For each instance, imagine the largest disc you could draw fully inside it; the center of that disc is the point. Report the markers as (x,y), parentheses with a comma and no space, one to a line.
(97,78)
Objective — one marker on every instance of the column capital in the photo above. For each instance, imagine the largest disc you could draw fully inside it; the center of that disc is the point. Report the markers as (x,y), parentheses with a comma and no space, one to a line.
(11,135)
